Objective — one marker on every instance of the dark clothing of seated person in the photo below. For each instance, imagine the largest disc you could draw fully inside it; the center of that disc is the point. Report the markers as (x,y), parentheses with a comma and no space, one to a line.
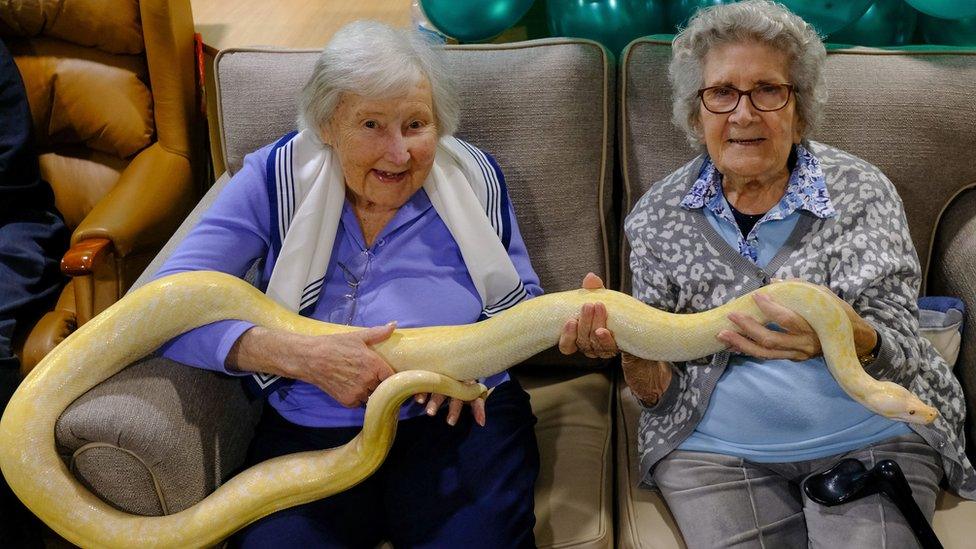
(32,239)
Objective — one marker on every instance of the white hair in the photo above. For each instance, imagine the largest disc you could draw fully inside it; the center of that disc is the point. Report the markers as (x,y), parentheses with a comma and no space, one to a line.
(760,21)
(374,60)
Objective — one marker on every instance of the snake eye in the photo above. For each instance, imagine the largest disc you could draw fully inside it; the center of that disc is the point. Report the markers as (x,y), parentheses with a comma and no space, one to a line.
(911,412)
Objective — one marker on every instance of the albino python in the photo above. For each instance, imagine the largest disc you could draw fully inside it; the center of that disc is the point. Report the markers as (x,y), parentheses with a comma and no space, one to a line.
(426,359)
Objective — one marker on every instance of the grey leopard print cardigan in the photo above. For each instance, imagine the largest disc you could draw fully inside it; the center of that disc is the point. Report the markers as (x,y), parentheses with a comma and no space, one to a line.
(864,254)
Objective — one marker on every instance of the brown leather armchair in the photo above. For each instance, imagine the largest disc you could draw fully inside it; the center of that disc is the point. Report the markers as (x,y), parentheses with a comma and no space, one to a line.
(112,89)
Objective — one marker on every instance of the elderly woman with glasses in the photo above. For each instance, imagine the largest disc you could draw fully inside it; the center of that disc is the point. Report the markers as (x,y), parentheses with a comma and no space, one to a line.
(374,215)
(727,439)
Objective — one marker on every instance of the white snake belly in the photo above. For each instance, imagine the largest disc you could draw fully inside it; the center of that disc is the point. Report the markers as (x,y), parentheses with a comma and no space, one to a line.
(427,359)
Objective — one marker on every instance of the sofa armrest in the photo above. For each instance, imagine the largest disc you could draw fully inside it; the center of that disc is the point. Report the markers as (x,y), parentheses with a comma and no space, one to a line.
(149,201)
(158,436)
(953,272)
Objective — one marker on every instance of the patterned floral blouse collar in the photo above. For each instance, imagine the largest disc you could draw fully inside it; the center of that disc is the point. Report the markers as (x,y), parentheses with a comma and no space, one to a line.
(806,190)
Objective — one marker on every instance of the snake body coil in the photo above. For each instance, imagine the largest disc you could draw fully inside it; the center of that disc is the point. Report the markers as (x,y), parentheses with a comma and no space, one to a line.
(426,360)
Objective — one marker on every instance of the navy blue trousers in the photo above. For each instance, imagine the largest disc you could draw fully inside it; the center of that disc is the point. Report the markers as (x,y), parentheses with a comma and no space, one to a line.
(32,240)
(31,244)
(441,486)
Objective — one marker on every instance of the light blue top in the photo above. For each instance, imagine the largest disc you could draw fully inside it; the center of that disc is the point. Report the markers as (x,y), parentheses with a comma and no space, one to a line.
(413,273)
(778,410)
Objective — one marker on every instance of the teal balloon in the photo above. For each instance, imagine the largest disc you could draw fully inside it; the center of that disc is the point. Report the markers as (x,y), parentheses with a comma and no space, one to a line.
(946,9)
(474,20)
(680,11)
(534,21)
(613,23)
(948,32)
(886,23)
(828,16)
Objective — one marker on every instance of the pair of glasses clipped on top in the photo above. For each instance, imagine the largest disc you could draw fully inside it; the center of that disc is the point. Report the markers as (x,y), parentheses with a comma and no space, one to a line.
(355,272)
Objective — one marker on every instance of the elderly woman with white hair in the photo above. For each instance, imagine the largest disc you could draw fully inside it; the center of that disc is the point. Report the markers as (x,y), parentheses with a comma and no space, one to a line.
(728,439)
(374,215)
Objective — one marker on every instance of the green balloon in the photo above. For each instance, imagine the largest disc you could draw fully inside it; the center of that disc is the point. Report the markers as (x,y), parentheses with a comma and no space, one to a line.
(946,9)
(534,21)
(886,23)
(474,20)
(828,16)
(948,32)
(613,23)
(680,11)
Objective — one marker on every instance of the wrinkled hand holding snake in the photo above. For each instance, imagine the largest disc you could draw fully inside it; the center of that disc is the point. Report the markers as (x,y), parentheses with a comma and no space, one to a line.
(426,359)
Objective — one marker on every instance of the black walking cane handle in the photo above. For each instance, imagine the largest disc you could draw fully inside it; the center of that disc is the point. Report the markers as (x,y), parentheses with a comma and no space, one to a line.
(896,487)
(850,480)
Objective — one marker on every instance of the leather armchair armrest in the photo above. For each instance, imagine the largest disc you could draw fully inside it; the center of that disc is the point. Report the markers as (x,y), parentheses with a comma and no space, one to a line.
(952,272)
(96,282)
(152,197)
(129,225)
(158,436)
(51,330)
(81,258)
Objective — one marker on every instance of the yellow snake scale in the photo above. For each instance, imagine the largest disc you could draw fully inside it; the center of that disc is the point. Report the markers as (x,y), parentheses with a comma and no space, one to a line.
(425,358)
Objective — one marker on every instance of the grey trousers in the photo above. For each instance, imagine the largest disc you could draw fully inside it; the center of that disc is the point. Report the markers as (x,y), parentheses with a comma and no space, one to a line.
(725,501)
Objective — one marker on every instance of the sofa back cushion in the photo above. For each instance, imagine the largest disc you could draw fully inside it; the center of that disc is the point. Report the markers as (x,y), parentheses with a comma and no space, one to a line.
(543,109)
(909,113)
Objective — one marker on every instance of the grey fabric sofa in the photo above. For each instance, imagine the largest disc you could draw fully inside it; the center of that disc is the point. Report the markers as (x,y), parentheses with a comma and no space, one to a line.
(156,439)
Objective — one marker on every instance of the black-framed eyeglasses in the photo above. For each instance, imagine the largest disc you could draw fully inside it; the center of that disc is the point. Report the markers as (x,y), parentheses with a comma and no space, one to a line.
(764,97)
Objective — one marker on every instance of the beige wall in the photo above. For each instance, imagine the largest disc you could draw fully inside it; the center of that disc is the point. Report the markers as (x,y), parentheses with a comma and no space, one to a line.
(287,23)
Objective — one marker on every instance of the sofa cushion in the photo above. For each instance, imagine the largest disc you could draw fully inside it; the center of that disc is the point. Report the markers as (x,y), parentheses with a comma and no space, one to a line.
(543,109)
(80,178)
(573,494)
(909,113)
(103,107)
(940,320)
(643,519)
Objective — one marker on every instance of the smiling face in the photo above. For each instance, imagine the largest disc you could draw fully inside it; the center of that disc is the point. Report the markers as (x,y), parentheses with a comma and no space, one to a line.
(748,145)
(385,146)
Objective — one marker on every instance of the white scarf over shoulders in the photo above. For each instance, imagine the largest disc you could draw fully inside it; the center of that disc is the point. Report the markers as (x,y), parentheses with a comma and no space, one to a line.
(310,191)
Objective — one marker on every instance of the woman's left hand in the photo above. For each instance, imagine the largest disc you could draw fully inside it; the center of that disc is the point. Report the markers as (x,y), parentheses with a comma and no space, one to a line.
(797,341)
(435,401)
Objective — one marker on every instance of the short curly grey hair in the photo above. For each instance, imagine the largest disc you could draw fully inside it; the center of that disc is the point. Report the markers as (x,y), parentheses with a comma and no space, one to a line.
(751,20)
(374,60)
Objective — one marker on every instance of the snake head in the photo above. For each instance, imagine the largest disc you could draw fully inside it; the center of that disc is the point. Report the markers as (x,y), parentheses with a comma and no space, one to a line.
(898,403)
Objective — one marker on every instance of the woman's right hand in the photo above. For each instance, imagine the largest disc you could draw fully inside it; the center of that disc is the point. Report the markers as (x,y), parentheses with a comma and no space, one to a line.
(587,332)
(342,365)
(647,379)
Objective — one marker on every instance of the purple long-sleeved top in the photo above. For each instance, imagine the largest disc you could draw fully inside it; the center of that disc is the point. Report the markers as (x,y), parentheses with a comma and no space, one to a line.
(413,274)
